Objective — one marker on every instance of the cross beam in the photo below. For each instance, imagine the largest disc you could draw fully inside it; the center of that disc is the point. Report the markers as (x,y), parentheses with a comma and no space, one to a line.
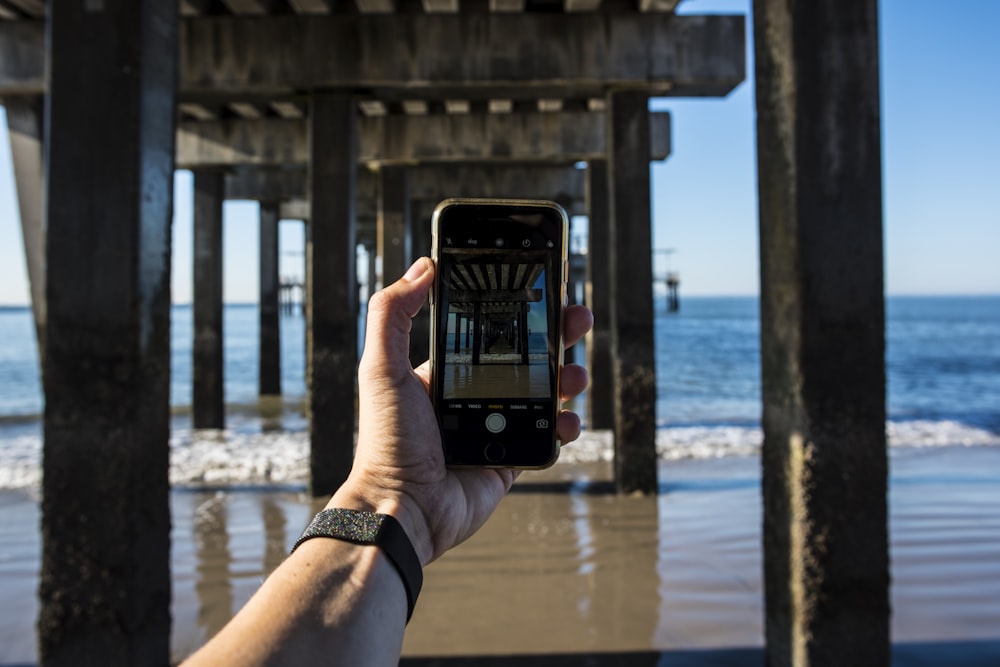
(564,137)
(413,55)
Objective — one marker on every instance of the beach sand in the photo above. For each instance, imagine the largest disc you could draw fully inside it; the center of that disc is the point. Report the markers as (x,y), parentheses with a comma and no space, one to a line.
(567,573)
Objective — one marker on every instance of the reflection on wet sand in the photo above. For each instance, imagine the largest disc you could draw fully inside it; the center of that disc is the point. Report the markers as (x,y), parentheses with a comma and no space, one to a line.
(567,573)
(213,585)
(500,381)
(552,571)
(274,533)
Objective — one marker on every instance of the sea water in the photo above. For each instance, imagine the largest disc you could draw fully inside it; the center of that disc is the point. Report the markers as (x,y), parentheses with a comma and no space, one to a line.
(942,362)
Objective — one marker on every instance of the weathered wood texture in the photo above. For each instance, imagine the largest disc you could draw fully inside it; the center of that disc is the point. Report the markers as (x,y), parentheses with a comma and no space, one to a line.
(332,303)
(105,589)
(207,369)
(632,349)
(559,137)
(269,336)
(822,333)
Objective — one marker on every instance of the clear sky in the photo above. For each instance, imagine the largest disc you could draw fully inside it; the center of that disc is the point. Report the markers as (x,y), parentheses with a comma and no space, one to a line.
(941,167)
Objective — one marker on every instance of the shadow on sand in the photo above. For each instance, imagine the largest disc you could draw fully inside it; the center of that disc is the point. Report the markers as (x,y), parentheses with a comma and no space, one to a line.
(984,653)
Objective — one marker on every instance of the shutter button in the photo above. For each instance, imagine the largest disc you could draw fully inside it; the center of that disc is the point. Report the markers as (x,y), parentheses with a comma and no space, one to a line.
(496,422)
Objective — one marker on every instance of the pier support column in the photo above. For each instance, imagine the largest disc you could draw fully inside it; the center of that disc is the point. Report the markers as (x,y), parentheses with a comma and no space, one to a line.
(333,291)
(826,572)
(270,319)
(25,120)
(393,222)
(600,397)
(420,325)
(104,588)
(631,290)
(208,400)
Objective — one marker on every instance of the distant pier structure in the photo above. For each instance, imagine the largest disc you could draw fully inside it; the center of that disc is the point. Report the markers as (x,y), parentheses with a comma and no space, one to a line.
(673,286)
(292,296)
(356,123)
(671,279)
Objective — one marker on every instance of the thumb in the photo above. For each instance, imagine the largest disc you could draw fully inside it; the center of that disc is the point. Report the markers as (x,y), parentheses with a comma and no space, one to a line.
(387,338)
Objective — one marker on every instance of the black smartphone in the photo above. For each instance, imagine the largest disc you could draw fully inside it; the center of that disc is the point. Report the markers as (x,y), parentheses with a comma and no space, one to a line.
(496,330)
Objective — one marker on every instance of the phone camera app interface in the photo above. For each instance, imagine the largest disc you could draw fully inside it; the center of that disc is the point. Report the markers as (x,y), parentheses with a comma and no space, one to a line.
(497,327)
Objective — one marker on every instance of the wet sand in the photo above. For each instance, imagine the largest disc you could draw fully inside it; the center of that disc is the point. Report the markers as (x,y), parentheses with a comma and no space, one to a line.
(567,573)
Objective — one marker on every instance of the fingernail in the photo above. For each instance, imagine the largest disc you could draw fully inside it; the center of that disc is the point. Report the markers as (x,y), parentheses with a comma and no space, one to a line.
(418,269)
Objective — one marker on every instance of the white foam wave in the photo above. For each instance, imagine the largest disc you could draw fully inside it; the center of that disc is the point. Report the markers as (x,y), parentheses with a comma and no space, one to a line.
(268,457)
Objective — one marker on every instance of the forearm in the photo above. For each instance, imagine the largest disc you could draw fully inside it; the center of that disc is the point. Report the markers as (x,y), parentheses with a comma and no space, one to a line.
(331,602)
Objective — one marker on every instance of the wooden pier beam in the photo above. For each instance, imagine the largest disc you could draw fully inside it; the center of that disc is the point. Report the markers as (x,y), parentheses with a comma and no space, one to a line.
(826,565)
(105,590)
(600,394)
(630,235)
(208,408)
(393,233)
(332,351)
(269,338)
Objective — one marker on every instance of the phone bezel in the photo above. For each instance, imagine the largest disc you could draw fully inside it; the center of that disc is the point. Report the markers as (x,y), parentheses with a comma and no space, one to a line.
(503,206)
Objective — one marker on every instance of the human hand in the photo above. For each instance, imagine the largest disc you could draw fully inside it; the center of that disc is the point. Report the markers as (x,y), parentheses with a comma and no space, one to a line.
(399,464)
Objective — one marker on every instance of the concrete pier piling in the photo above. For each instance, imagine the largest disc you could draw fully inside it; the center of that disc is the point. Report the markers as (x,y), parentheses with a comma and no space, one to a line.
(105,571)
(208,409)
(332,357)
(631,284)
(394,222)
(269,374)
(600,397)
(826,566)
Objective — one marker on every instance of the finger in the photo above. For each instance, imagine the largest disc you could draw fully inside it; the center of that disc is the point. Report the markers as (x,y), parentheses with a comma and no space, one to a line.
(387,337)
(572,381)
(423,371)
(568,426)
(577,321)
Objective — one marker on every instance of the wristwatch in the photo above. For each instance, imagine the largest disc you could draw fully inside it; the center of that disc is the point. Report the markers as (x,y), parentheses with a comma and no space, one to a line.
(371,528)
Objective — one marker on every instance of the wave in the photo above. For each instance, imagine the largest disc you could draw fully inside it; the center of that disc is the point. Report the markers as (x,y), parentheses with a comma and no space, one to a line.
(248,452)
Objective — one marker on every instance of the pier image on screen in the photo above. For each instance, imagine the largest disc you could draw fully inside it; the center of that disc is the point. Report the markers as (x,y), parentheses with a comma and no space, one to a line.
(496,339)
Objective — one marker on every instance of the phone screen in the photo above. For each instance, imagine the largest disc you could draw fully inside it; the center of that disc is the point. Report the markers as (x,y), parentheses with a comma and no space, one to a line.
(497,343)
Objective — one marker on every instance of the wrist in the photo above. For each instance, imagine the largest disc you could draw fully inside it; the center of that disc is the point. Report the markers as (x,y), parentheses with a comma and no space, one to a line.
(396,505)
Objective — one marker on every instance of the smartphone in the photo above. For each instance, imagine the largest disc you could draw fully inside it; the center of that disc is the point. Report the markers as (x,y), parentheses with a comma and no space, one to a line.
(496,330)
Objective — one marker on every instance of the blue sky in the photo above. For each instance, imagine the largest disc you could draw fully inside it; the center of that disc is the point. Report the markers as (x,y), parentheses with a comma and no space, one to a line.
(941,170)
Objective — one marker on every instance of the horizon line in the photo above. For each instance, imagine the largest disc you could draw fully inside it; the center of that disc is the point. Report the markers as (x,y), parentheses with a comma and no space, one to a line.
(904,295)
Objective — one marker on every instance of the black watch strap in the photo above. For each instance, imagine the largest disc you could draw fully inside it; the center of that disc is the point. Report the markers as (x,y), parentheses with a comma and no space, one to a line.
(380,530)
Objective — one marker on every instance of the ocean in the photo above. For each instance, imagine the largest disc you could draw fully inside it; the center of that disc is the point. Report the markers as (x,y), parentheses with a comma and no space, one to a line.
(942,359)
